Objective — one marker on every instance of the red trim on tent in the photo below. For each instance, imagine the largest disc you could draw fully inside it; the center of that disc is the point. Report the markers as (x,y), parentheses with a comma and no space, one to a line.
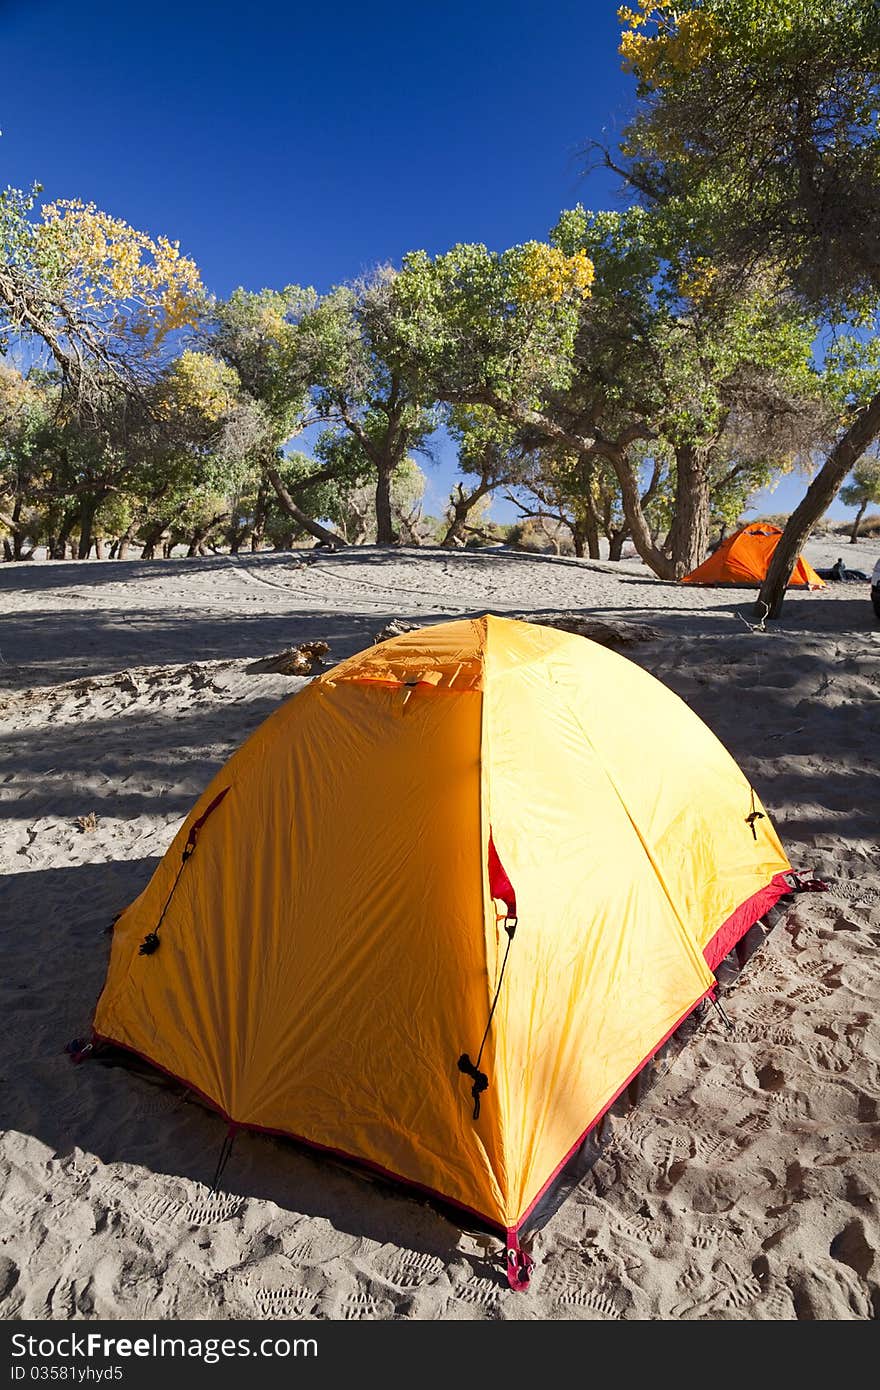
(388,1172)
(745,916)
(500,885)
(727,936)
(356,1159)
(724,940)
(605,1108)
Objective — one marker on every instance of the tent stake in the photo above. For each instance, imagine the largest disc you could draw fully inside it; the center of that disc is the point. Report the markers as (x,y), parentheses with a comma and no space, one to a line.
(223,1159)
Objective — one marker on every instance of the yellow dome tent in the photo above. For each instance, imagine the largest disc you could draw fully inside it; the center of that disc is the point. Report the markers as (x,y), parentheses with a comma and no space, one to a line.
(443,905)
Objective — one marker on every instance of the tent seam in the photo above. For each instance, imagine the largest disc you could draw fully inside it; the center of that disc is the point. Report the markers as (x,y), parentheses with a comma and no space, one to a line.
(692,947)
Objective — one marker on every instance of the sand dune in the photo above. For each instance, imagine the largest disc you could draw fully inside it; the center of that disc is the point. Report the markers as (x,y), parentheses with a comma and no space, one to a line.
(744,1183)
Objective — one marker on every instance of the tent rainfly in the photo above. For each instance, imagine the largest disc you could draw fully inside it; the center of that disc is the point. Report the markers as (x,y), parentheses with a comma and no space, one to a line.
(442,906)
(744,559)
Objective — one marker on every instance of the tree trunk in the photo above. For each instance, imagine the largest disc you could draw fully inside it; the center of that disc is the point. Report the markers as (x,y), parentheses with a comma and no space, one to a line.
(200,534)
(453,537)
(462,506)
(59,545)
(591,529)
(615,543)
(238,534)
(314,528)
(13,545)
(636,520)
(819,495)
(17,537)
(854,534)
(689,534)
(99,548)
(86,521)
(260,511)
(385,532)
(124,542)
(151,540)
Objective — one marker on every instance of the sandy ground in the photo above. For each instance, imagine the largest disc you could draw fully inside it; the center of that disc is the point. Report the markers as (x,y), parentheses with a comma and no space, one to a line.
(743,1184)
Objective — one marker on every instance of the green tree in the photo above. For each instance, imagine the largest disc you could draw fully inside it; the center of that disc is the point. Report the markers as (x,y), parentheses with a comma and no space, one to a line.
(862,491)
(490,456)
(260,336)
(377,412)
(474,327)
(26,405)
(352,508)
(758,131)
(667,358)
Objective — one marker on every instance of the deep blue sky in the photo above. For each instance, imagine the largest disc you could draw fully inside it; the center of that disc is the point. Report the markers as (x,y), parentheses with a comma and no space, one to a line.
(285,142)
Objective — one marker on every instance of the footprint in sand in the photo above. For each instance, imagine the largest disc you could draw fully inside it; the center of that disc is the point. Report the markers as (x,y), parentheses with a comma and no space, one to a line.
(320,1248)
(482,1293)
(411,1269)
(784,1110)
(157,1209)
(60,1303)
(363,1305)
(691,1280)
(770,1078)
(834,1059)
(593,1301)
(728,1290)
(712,1149)
(810,993)
(754,1033)
(213,1208)
(560,1281)
(635,1228)
(293,1301)
(777,1305)
(713,1236)
(664,1150)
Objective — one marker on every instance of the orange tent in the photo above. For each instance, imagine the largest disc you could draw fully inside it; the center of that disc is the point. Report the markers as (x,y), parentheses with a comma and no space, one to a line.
(442,906)
(743,559)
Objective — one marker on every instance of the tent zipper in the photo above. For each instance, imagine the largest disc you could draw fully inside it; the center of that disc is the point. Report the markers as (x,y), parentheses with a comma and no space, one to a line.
(151,942)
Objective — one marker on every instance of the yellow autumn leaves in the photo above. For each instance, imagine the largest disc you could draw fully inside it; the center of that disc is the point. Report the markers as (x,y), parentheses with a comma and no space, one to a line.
(105,265)
(696,281)
(199,383)
(17,394)
(543,273)
(679,44)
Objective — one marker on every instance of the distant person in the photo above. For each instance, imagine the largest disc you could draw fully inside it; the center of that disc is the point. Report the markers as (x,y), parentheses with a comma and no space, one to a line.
(875,590)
